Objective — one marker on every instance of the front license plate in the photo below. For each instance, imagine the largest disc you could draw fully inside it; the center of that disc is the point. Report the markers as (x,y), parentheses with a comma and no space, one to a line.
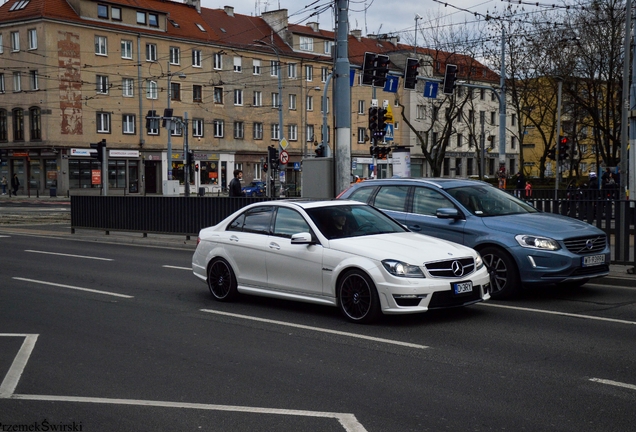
(593,260)
(462,287)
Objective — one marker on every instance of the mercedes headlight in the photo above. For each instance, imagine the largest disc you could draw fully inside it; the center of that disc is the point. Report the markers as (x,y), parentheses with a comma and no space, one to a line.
(479,263)
(535,242)
(402,269)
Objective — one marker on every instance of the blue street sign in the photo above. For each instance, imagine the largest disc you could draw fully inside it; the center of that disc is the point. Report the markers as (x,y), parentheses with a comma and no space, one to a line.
(391,84)
(388,136)
(296,166)
(430,89)
(352,77)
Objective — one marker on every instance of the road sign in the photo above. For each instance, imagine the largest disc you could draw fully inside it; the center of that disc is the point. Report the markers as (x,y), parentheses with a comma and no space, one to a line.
(430,89)
(391,84)
(388,117)
(296,166)
(284,143)
(284,157)
(388,136)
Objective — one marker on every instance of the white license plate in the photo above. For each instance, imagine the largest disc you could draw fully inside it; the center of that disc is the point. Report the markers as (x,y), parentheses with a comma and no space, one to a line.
(593,260)
(462,287)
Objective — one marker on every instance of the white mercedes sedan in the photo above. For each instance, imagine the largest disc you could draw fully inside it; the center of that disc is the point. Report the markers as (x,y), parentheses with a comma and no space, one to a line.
(338,253)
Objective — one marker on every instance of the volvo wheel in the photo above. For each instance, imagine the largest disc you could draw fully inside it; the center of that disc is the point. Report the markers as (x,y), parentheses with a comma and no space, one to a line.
(504,276)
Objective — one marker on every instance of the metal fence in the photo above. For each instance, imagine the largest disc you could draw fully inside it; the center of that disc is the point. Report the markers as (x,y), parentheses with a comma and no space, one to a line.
(186,216)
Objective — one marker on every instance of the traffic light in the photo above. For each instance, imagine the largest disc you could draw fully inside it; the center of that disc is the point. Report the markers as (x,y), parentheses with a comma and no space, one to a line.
(410,73)
(272,156)
(189,157)
(99,154)
(564,146)
(265,166)
(167,114)
(552,154)
(196,167)
(382,113)
(373,120)
(381,70)
(367,68)
(320,151)
(449,79)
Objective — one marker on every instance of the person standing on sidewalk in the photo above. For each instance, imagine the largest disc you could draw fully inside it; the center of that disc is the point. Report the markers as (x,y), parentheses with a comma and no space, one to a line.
(15,184)
(4,185)
(235,185)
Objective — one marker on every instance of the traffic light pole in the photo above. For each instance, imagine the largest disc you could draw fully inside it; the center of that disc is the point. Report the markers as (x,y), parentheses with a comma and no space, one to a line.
(186,166)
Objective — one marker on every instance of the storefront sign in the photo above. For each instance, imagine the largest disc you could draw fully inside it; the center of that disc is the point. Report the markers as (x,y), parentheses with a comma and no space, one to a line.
(82,152)
(96,177)
(124,153)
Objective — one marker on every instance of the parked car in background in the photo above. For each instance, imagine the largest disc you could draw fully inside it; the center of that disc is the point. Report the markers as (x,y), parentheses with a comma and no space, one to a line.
(520,245)
(337,253)
(254,189)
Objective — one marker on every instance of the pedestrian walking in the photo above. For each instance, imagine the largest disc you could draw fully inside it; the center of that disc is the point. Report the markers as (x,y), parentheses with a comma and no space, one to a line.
(528,189)
(15,184)
(520,184)
(235,185)
(4,184)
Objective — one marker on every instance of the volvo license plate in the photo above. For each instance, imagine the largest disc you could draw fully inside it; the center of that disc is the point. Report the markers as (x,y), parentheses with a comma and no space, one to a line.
(462,287)
(593,260)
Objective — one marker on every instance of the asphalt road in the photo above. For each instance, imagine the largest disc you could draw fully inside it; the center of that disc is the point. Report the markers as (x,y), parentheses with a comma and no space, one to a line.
(123,337)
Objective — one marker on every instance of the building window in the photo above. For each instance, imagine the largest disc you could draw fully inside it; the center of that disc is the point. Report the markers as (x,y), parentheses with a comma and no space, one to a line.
(306,43)
(292,70)
(1,44)
(218,61)
(471,116)
(175,55)
(218,95)
(239,130)
(128,124)
(197,93)
(151,52)
(115,13)
(309,72)
(482,94)
(102,84)
(275,101)
(275,129)
(102,11)
(153,20)
(274,67)
(258,98)
(18,124)
(101,45)
(493,118)
(128,87)
(196,58)
(322,104)
(175,91)
(256,67)
(197,127)
(238,64)
(33,78)
(15,41)
(178,128)
(361,134)
(309,103)
(421,112)
(292,101)
(324,74)
(3,125)
(126,49)
(33,39)
(459,139)
(2,88)
(141,18)
(151,90)
(103,122)
(513,143)
(238,97)
(292,132)
(361,107)
(152,131)
(17,81)
(310,133)
(258,131)
(513,120)
(218,128)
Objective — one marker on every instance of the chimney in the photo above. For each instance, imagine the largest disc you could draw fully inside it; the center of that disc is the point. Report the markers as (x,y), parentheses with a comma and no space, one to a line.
(278,22)
(229,10)
(314,26)
(357,34)
(195,3)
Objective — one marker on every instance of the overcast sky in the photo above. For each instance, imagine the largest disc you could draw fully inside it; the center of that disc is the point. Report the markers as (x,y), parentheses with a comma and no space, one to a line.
(381,16)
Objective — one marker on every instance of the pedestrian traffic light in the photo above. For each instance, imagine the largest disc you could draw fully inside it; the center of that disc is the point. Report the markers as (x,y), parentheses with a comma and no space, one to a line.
(410,73)
(196,167)
(265,166)
(99,147)
(367,68)
(449,79)
(382,118)
(381,70)
(373,120)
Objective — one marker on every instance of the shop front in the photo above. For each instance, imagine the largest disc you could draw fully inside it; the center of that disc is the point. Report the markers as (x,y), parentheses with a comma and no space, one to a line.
(36,169)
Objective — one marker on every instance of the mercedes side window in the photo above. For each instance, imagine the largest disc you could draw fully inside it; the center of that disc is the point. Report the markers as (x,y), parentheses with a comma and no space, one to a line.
(392,198)
(258,220)
(289,222)
(426,201)
(237,224)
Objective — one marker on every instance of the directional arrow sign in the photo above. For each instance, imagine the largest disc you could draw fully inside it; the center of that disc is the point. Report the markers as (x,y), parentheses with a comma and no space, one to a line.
(430,90)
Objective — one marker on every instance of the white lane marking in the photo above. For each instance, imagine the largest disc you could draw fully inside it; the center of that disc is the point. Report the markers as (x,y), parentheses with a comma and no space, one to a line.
(614,383)
(590,317)
(73,287)
(19,362)
(177,267)
(317,329)
(3,236)
(348,421)
(69,255)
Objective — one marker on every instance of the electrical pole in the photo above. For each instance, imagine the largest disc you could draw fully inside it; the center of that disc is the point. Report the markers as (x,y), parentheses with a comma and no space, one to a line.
(342,101)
